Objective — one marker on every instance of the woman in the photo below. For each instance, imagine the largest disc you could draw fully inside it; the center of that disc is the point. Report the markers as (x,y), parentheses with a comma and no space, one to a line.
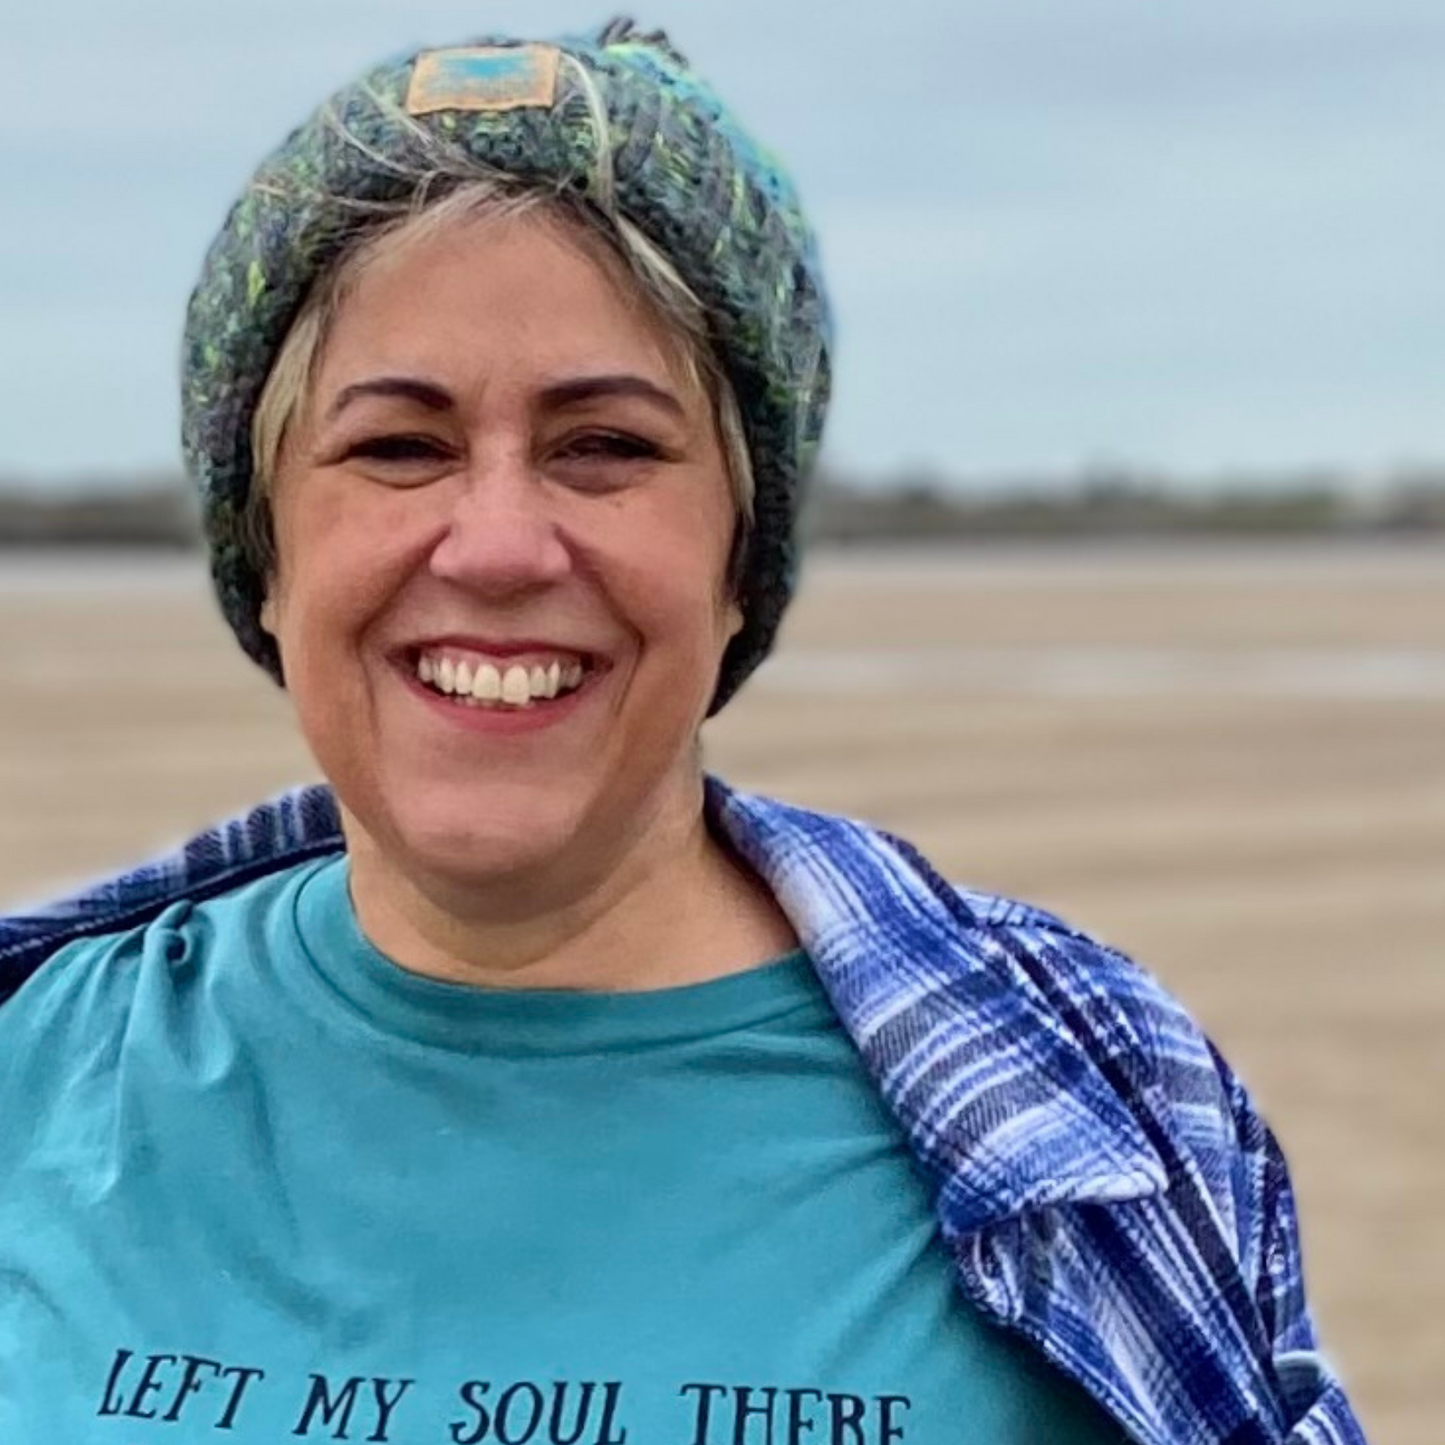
(525,1084)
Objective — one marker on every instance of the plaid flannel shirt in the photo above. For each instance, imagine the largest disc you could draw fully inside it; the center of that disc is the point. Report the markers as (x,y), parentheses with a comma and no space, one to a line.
(1104,1186)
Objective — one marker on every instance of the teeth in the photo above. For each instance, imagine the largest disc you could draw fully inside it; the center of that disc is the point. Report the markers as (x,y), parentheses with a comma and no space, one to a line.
(516,686)
(487,684)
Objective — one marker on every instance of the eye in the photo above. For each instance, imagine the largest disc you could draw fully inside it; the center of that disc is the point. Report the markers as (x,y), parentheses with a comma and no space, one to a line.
(611,446)
(398,448)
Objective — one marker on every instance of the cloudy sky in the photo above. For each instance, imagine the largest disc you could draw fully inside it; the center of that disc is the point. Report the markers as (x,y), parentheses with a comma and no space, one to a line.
(1058,232)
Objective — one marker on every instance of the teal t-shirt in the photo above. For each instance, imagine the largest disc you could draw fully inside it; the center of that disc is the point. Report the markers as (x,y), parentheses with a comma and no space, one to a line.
(260,1184)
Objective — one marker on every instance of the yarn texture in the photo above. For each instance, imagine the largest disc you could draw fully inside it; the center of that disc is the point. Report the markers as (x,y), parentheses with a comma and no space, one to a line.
(673,161)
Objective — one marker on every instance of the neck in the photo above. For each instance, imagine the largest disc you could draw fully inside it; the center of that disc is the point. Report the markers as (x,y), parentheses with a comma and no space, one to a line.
(676,907)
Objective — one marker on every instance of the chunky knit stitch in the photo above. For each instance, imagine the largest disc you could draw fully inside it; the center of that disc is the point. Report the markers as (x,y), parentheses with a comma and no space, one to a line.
(679,167)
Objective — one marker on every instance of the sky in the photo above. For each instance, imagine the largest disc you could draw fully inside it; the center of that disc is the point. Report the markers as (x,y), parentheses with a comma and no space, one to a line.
(1158,234)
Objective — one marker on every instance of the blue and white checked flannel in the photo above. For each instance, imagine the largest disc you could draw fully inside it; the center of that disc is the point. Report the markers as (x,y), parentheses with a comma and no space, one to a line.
(1104,1184)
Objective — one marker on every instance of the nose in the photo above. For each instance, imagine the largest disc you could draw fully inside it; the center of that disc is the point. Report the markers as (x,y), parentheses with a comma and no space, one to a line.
(503,535)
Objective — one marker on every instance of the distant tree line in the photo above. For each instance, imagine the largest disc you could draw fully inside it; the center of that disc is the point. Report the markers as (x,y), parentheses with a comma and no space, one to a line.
(161,512)
(158,512)
(1123,505)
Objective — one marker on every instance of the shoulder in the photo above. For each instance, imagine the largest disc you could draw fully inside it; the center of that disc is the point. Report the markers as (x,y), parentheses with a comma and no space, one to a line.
(1094,982)
(286,830)
(63,1033)
(89,989)
(902,931)
(1198,1112)
(1016,1045)
(1115,1017)
(845,879)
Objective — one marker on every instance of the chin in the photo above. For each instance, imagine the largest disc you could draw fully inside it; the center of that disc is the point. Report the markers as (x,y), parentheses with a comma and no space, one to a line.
(484,837)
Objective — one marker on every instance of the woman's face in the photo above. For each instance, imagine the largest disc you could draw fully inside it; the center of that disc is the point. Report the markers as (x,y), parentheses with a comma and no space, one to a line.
(504,486)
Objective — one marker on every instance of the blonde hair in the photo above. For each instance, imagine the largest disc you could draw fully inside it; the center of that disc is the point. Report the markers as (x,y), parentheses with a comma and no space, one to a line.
(635,261)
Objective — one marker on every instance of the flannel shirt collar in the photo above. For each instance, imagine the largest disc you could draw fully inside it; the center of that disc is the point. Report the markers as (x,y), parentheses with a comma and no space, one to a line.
(947,1021)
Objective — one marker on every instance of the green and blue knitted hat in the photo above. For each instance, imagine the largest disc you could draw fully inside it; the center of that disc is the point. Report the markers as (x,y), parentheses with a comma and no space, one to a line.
(682,171)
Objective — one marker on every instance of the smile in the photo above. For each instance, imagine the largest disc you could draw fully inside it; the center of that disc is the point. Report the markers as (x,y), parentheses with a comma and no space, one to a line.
(504,683)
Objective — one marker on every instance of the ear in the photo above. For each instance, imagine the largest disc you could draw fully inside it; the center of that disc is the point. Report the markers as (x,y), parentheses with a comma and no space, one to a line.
(267,615)
(734,620)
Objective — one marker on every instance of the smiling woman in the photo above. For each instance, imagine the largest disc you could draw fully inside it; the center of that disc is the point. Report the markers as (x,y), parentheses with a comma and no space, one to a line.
(520,1049)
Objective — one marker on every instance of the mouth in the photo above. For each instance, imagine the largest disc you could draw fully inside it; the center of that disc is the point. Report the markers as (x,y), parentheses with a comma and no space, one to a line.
(514,680)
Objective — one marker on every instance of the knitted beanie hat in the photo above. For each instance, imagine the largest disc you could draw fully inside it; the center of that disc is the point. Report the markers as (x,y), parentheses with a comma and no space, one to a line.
(618,119)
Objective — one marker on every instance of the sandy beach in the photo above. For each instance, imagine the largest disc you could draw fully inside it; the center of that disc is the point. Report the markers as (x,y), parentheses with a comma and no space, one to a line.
(1228,762)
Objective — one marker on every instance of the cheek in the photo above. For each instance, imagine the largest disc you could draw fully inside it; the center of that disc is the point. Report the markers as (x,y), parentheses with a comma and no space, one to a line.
(359,537)
(345,554)
(670,553)
(675,614)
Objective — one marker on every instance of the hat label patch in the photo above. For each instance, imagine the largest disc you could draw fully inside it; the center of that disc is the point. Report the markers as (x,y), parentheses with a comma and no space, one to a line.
(483,77)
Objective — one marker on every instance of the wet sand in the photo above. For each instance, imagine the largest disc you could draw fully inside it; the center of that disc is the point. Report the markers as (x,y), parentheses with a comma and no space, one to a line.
(1230,763)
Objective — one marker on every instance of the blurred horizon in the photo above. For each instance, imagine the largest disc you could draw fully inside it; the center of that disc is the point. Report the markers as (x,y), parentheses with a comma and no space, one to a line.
(1196,244)
(1105,477)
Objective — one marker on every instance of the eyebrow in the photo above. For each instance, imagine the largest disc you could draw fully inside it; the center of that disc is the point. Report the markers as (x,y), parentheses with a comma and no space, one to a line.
(426,393)
(573,392)
(591,388)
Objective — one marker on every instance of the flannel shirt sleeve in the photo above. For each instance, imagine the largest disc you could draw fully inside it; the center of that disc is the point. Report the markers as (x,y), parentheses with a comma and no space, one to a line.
(1237,1161)
(1315,1402)
(1243,1171)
